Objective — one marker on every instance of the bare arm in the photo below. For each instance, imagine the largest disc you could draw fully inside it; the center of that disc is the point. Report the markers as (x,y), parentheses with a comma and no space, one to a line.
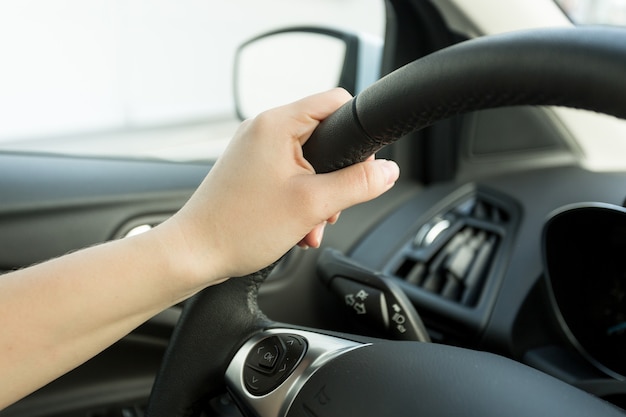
(56,315)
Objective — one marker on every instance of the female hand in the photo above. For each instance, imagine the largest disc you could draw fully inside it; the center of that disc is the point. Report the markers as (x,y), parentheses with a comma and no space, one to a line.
(262,197)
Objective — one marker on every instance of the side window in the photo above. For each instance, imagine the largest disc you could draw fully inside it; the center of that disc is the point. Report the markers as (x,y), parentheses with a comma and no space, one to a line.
(602,12)
(139,78)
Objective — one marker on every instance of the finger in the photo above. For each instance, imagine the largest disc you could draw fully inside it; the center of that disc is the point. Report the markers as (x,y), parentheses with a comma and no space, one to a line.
(310,110)
(315,236)
(320,106)
(333,219)
(354,184)
(313,239)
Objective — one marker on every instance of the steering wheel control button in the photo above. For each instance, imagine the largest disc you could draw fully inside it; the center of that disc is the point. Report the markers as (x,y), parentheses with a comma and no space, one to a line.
(265,354)
(257,382)
(271,361)
(295,346)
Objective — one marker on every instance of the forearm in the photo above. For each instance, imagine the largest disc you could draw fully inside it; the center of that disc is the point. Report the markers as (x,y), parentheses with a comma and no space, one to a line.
(56,315)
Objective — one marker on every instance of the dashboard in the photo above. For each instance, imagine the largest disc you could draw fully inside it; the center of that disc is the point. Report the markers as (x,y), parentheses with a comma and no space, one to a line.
(470,256)
(502,302)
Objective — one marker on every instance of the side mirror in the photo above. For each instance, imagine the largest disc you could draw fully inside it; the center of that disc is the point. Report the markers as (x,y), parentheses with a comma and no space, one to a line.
(278,67)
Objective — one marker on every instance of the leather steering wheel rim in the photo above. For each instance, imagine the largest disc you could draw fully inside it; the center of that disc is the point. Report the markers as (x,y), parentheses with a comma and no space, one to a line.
(539,67)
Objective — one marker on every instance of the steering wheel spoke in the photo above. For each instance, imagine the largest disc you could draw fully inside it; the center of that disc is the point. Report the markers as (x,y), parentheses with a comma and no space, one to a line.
(268,391)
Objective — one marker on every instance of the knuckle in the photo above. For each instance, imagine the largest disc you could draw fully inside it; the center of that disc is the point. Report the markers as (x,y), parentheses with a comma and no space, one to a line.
(366,178)
(262,120)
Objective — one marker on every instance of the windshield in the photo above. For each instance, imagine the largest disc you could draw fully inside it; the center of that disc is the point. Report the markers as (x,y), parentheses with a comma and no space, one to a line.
(137,78)
(595,12)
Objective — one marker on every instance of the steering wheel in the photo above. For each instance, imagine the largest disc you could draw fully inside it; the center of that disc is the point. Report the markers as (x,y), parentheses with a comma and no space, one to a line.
(272,369)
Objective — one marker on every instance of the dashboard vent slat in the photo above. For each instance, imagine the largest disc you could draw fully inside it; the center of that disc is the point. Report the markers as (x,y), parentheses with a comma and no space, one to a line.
(457,268)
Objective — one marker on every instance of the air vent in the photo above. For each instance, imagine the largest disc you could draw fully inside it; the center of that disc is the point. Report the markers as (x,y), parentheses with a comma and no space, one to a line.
(451,255)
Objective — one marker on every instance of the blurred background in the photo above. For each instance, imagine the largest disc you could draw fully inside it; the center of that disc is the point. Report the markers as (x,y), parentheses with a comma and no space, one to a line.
(149,78)
(153,78)
(589,12)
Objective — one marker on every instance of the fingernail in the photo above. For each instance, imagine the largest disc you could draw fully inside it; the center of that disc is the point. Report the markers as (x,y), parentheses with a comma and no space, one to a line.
(335,218)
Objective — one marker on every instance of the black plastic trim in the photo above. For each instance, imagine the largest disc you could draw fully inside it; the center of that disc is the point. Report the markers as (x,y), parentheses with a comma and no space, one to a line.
(453,321)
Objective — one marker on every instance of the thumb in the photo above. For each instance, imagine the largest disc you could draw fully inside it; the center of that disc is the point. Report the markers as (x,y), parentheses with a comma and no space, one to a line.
(359,183)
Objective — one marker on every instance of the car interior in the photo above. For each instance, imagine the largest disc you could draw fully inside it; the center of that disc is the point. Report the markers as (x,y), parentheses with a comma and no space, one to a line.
(488,280)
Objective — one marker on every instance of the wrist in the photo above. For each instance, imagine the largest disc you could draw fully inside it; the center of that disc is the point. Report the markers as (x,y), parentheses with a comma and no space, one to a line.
(189,266)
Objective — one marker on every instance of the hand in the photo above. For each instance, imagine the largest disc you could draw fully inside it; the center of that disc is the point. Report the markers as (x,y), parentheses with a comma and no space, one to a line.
(262,197)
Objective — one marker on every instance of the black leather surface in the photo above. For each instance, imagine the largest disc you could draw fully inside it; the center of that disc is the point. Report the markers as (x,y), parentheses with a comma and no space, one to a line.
(540,67)
(409,379)
(213,325)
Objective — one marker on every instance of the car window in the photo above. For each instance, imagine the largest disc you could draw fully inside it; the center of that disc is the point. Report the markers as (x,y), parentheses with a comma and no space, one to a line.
(603,12)
(139,78)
